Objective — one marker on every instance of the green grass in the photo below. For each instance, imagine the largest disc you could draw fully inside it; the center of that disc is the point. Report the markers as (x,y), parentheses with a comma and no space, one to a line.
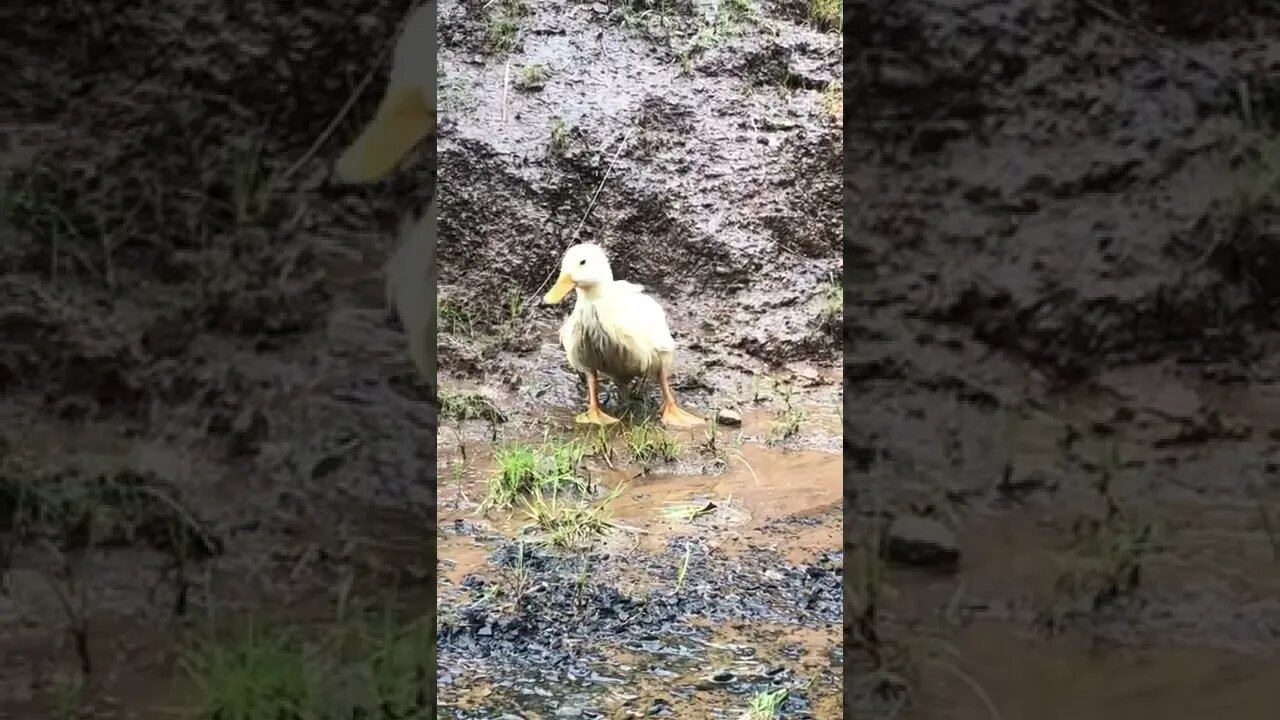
(683,571)
(502,20)
(253,676)
(827,14)
(831,307)
(766,705)
(531,78)
(831,101)
(469,406)
(454,317)
(521,469)
(786,426)
(568,524)
(251,187)
(369,665)
(648,444)
(686,511)
(559,141)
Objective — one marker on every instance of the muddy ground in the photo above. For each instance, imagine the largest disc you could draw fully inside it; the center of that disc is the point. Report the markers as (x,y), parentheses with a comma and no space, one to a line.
(699,143)
(1061,358)
(208,422)
(215,480)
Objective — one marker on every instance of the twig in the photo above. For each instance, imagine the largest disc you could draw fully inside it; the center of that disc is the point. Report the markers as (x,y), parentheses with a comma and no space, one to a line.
(1114,16)
(590,205)
(506,82)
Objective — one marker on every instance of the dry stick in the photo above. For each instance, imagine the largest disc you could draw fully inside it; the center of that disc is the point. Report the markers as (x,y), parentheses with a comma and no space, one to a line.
(506,82)
(1114,16)
(608,171)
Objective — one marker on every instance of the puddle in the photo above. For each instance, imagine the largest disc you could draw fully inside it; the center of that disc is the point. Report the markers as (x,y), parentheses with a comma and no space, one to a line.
(646,610)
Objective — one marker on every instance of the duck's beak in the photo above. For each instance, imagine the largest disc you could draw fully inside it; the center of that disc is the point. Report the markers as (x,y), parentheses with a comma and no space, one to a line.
(559,290)
(403,119)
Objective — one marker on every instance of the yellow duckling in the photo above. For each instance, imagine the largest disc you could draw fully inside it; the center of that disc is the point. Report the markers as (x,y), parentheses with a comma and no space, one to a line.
(407,113)
(614,329)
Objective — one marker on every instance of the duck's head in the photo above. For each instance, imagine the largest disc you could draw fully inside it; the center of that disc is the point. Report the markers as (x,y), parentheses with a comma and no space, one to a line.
(584,267)
(407,113)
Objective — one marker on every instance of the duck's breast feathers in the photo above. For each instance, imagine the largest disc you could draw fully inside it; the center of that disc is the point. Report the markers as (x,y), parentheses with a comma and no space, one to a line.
(415,53)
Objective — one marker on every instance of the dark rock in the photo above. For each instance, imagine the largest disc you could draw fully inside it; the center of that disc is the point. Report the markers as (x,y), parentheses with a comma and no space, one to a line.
(921,542)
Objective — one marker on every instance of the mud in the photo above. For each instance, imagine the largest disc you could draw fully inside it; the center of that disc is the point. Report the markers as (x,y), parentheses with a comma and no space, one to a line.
(1060,345)
(692,141)
(196,369)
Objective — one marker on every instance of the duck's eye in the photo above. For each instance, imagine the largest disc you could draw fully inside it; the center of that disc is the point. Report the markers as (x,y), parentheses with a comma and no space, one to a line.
(584,262)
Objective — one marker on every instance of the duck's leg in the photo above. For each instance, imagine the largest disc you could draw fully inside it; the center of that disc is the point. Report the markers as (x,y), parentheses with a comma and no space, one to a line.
(672,414)
(594,415)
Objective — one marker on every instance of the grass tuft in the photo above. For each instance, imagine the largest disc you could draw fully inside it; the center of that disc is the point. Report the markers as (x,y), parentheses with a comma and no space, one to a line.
(522,468)
(648,444)
(568,524)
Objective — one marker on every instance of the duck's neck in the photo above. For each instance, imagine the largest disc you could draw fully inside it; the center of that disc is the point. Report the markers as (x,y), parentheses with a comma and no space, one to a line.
(589,293)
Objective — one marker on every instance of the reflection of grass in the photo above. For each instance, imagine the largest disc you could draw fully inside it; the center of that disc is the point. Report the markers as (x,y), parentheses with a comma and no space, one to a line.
(892,659)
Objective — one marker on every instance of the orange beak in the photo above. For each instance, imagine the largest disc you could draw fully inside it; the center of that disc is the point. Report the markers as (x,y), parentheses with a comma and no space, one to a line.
(559,290)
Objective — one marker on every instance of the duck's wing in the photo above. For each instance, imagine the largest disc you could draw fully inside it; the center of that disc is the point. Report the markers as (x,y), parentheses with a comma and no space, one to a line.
(640,316)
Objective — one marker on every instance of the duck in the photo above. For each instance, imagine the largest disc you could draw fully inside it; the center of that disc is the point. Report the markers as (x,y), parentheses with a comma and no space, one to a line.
(405,116)
(411,288)
(406,113)
(614,329)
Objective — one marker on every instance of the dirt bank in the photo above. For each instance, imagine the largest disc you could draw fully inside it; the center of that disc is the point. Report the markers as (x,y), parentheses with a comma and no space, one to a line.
(1062,348)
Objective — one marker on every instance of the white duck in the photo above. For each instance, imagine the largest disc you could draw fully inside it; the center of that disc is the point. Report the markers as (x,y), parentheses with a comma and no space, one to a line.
(407,113)
(411,289)
(614,329)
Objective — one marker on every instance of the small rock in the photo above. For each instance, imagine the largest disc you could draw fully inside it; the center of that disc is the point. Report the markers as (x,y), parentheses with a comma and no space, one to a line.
(921,542)
(729,418)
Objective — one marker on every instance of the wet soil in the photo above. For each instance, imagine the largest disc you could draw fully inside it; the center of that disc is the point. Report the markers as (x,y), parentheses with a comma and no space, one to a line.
(197,373)
(693,142)
(1061,348)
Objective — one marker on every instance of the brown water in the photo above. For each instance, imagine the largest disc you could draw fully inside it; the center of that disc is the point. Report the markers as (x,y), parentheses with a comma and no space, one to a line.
(1030,678)
(745,489)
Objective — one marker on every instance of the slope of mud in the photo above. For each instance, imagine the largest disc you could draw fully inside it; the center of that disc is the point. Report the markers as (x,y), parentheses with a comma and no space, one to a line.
(1061,344)
(698,143)
(196,370)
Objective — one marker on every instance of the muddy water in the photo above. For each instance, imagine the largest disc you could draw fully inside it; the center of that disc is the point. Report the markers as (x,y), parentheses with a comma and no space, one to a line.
(1073,679)
(782,501)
